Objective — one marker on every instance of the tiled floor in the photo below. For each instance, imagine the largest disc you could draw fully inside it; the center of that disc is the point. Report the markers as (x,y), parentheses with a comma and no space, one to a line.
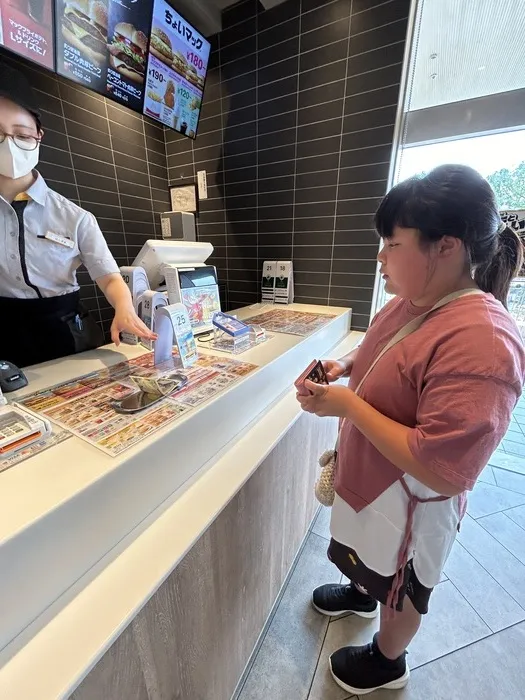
(473,640)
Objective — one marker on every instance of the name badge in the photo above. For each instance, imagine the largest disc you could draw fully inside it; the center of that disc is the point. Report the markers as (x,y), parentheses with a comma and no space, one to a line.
(61,240)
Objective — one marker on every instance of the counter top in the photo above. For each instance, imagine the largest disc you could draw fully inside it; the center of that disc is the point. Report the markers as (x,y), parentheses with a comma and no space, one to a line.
(39,483)
(46,502)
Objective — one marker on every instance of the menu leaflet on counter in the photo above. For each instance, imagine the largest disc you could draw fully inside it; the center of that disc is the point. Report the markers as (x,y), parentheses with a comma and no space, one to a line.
(177,64)
(102,44)
(26,27)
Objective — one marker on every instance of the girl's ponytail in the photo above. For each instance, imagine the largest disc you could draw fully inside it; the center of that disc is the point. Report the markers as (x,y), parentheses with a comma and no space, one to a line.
(496,274)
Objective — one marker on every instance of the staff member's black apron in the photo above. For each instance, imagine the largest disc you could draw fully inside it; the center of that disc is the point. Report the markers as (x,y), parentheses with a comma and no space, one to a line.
(38,330)
(45,328)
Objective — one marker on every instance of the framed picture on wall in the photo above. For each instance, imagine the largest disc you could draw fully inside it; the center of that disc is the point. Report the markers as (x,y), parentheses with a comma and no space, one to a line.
(185,198)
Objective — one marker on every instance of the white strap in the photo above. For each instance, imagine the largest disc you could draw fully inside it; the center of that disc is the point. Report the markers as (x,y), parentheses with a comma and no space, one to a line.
(410,327)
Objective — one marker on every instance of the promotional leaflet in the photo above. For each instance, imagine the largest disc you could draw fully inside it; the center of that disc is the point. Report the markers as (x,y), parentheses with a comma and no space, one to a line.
(83,405)
(177,64)
(293,322)
(27,29)
(102,44)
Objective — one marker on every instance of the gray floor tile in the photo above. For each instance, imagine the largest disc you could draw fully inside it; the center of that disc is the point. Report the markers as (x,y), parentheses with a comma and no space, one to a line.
(509,480)
(518,515)
(511,463)
(514,448)
(487,476)
(507,532)
(492,603)
(515,436)
(503,566)
(487,670)
(286,662)
(486,499)
(515,431)
(322,524)
(351,630)
(451,623)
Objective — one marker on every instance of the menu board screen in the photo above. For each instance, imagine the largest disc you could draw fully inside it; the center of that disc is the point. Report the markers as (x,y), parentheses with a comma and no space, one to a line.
(26,27)
(102,44)
(177,64)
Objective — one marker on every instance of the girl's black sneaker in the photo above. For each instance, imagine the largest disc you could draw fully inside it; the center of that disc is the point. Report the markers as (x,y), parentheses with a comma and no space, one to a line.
(333,599)
(361,670)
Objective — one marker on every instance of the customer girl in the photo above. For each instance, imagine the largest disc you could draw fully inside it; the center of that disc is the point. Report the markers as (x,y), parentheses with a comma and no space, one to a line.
(428,415)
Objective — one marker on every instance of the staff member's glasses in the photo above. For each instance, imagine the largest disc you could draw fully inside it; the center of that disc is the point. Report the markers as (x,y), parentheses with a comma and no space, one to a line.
(25,143)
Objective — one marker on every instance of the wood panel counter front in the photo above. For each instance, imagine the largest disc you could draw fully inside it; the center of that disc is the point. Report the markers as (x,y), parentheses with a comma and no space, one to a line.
(150,576)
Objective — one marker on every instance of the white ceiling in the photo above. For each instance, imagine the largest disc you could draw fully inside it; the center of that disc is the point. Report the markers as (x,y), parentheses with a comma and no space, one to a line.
(479,48)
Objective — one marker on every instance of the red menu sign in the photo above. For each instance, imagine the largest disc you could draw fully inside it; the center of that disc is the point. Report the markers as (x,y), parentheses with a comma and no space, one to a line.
(26,28)
(102,44)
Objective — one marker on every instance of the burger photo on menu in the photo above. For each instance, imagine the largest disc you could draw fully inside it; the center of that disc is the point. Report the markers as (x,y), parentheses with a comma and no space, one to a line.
(180,64)
(128,52)
(192,76)
(160,46)
(85,27)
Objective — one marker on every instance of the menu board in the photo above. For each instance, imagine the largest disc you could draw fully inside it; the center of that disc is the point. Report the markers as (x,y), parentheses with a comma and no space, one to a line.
(102,44)
(177,64)
(26,27)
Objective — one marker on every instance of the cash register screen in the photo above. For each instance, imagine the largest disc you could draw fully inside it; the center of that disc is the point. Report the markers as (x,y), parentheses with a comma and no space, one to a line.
(199,291)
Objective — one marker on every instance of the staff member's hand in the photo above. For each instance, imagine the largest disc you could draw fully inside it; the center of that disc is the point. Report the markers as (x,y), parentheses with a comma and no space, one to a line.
(326,400)
(127,321)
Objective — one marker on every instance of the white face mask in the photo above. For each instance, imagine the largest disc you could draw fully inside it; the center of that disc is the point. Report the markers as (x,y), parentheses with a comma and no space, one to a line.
(15,162)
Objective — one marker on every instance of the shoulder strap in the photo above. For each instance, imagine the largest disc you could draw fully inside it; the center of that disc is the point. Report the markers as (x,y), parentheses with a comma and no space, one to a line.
(414,324)
(410,327)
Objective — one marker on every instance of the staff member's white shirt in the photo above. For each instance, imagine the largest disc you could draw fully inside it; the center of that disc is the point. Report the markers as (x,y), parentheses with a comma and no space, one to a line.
(49,266)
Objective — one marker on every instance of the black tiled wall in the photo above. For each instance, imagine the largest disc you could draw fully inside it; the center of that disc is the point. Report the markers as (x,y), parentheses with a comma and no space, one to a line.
(296,137)
(108,160)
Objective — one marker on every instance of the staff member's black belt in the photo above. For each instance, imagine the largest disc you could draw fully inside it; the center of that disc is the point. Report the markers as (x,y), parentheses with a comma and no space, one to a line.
(38,330)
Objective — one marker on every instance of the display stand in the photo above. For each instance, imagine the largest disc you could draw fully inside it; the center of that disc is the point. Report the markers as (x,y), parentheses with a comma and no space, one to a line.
(147,306)
(172,326)
(268,281)
(284,290)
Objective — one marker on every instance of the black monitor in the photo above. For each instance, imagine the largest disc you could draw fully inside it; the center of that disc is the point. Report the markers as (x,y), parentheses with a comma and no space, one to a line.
(176,74)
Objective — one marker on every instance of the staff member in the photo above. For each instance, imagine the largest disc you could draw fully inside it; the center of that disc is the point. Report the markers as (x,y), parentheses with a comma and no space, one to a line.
(44,238)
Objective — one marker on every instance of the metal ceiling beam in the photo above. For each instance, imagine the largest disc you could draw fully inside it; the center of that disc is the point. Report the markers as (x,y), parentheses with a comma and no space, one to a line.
(205,15)
(268,4)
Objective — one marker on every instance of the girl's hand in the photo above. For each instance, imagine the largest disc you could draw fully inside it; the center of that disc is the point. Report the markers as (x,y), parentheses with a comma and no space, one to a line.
(126,320)
(326,400)
(335,369)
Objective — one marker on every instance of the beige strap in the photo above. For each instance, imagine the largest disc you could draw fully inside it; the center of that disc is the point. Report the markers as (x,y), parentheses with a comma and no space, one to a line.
(412,326)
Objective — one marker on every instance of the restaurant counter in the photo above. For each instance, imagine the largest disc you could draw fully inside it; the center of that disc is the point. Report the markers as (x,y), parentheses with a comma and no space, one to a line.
(121,573)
